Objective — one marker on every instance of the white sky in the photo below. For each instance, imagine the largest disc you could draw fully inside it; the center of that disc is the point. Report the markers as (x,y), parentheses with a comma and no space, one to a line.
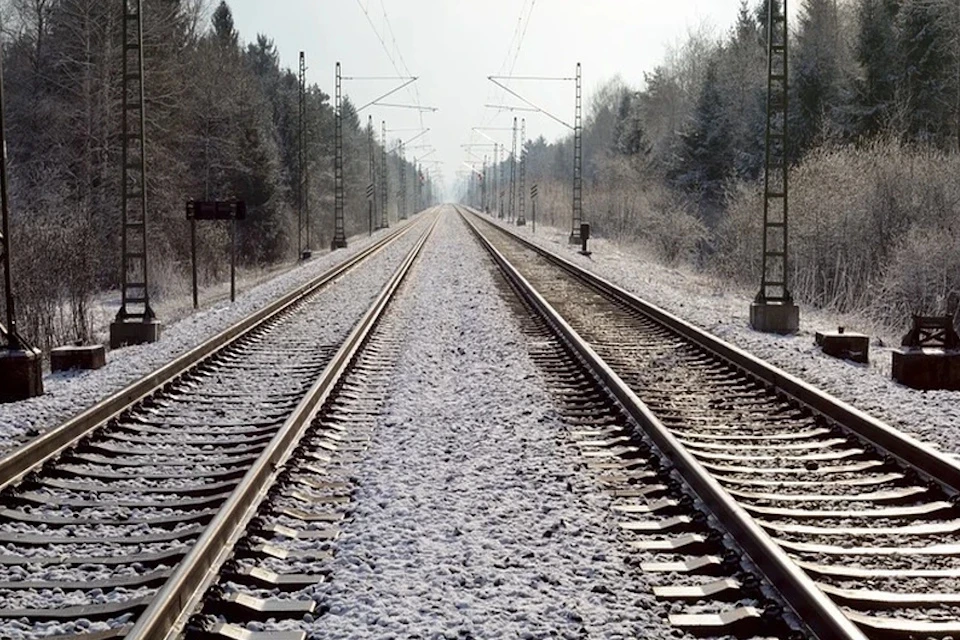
(453,45)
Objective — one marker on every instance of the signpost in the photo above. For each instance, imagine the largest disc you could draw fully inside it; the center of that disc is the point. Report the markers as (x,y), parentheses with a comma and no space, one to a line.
(534,190)
(231,210)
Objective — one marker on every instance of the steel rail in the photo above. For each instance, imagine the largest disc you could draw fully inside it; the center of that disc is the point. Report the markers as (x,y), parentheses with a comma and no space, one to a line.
(181,594)
(929,462)
(817,611)
(33,454)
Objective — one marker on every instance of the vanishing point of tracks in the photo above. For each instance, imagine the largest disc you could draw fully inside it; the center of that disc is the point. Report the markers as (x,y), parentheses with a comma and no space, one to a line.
(124,516)
(855,526)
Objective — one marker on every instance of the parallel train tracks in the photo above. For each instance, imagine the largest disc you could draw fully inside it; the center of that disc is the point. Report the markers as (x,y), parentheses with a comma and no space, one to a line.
(115,523)
(207,497)
(854,524)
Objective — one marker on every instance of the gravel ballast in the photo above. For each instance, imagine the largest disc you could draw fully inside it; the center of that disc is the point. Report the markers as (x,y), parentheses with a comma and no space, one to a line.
(465,523)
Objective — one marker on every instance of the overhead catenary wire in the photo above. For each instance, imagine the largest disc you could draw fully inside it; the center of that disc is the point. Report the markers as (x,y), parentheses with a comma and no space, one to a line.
(388,28)
(518,36)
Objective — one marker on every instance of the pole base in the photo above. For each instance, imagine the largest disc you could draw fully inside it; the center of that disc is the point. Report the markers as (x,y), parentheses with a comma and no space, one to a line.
(80,357)
(927,369)
(21,374)
(338,243)
(521,222)
(306,254)
(575,238)
(770,317)
(129,333)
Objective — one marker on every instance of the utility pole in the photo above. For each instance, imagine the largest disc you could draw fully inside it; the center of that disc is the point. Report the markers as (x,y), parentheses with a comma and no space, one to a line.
(8,333)
(339,231)
(483,187)
(135,322)
(501,183)
(304,242)
(577,163)
(773,309)
(496,182)
(576,127)
(513,175)
(522,193)
(300,154)
(416,186)
(21,368)
(372,196)
(402,205)
(385,219)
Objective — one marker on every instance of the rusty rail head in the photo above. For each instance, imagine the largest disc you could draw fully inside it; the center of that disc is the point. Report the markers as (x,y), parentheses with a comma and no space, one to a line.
(930,463)
(180,595)
(799,591)
(17,463)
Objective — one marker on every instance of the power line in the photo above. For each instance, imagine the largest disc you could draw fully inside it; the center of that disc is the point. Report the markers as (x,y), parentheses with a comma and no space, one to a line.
(522,36)
(519,34)
(393,37)
(386,49)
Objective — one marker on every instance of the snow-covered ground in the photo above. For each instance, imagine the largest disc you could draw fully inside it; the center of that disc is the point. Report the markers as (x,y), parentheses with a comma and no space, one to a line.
(723,309)
(67,394)
(464,522)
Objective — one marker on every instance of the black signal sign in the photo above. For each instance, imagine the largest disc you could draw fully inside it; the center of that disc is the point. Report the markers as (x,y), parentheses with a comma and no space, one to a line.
(216,210)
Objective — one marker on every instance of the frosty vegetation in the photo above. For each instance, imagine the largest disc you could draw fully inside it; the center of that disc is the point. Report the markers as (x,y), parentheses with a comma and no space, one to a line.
(222,122)
(875,124)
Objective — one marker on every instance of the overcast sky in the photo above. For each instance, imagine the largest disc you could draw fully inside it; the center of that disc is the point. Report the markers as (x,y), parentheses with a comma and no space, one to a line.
(453,45)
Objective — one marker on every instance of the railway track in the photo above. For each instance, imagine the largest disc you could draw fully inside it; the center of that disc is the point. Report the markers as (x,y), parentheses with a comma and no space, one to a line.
(852,523)
(115,524)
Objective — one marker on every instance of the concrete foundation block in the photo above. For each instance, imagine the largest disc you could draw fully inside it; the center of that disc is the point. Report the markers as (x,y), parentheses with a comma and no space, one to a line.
(782,318)
(844,344)
(21,374)
(927,368)
(338,244)
(84,358)
(123,334)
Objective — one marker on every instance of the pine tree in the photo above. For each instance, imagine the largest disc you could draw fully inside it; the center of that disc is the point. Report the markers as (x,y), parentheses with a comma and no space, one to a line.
(924,38)
(706,157)
(816,73)
(876,53)
(223,26)
(628,136)
(742,71)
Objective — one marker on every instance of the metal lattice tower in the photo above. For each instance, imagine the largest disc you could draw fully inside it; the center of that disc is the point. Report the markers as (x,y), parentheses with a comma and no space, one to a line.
(773,286)
(501,183)
(385,222)
(135,296)
(8,333)
(402,205)
(303,216)
(373,167)
(521,194)
(495,191)
(513,175)
(416,186)
(483,186)
(577,163)
(339,232)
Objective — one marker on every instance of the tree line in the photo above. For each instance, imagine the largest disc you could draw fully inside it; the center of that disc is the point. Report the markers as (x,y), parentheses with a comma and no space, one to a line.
(222,122)
(874,121)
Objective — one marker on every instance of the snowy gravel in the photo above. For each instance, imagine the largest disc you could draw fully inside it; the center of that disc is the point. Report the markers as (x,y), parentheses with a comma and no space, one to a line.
(723,309)
(464,522)
(293,351)
(67,394)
